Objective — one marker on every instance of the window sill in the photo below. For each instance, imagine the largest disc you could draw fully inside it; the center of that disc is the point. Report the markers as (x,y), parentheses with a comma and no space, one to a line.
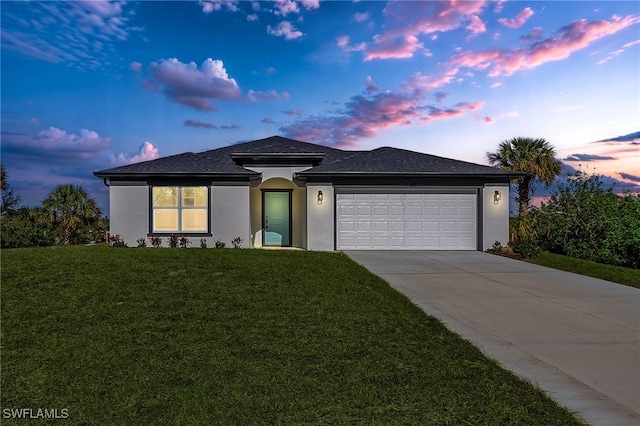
(180,234)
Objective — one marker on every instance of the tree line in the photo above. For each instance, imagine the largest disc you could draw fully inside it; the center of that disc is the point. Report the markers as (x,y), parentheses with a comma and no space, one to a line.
(66,216)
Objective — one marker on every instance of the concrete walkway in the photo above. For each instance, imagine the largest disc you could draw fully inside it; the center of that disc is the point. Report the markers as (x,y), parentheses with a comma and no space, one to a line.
(577,338)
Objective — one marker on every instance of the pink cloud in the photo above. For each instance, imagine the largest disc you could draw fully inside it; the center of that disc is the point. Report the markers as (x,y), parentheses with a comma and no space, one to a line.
(293,113)
(488,120)
(459,109)
(285,29)
(255,96)
(406,20)
(268,120)
(476,26)
(364,116)
(519,20)
(569,39)
(146,152)
(421,84)
(190,85)
(393,47)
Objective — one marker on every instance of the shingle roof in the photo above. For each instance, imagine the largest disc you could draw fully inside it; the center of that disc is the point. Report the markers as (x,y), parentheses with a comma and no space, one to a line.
(384,160)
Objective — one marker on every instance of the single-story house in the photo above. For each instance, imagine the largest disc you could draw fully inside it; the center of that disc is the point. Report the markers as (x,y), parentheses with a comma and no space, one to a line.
(287,193)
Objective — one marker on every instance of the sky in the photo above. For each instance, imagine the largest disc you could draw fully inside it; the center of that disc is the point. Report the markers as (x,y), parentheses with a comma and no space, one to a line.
(90,85)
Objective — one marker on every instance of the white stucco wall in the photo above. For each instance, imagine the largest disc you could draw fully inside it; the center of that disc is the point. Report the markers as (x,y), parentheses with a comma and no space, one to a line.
(320,218)
(230,213)
(129,211)
(495,217)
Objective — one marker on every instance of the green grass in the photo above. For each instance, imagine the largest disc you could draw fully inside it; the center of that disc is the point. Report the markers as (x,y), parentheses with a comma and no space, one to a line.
(616,274)
(243,337)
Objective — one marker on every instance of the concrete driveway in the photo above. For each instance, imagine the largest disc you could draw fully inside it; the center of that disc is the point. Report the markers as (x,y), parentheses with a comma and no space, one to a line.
(577,338)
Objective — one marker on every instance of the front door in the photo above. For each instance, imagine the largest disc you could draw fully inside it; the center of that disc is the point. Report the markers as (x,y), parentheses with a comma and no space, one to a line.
(276,218)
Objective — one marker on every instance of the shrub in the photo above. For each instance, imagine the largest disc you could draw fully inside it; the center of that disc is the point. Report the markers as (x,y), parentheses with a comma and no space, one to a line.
(219,244)
(116,241)
(156,242)
(141,242)
(172,240)
(28,227)
(586,221)
(184,241)
(237,242)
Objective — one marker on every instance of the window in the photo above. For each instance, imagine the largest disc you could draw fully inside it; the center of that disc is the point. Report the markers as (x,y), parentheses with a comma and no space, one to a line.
(180,209)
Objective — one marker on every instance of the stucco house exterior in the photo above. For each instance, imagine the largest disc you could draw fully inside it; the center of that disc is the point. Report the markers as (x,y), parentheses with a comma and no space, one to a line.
(287,193)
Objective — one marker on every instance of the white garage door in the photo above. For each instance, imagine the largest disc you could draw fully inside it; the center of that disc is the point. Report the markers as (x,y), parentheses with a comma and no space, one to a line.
(406,221)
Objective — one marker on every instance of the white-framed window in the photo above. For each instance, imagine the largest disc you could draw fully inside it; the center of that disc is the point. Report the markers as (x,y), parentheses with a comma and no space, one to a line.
(180,209)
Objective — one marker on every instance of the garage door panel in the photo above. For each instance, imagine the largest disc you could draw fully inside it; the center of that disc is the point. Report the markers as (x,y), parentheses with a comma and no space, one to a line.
(406,221)
(380,226)
(381,210)
(414,226)
(397,210)
(363,225)
(413,210)
(398,226)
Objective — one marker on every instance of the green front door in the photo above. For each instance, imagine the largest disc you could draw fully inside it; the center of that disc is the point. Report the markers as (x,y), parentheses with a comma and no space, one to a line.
(276,218)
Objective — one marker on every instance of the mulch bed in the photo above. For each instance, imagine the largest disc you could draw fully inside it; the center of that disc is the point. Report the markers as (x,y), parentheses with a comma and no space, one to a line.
(509,254)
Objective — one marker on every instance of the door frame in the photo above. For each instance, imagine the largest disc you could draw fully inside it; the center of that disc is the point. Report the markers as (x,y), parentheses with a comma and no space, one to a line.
(289,193)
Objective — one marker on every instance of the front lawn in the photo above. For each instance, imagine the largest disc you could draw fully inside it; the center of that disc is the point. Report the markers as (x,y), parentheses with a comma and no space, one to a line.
(221,336)
(616,274)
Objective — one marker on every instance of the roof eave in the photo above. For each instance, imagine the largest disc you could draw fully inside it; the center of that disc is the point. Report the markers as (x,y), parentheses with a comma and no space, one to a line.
(190,175)
(509,175)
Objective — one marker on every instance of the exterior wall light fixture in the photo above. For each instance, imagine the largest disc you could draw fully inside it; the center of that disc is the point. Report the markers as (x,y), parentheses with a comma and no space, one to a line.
(497,197)
(320,197)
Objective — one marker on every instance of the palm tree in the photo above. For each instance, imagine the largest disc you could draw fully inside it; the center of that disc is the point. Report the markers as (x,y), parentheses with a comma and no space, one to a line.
(533,157)
(71,208)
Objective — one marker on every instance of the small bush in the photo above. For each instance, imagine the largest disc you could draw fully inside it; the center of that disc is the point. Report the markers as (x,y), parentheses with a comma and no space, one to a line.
(116,241)
(142,242)
(203,243)
(219,244)
(184,241)
(172,240)
(156,242)
(237,242)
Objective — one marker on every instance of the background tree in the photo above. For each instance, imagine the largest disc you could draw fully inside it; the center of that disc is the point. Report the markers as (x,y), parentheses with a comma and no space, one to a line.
(10,201)
(582,219)
(72,210)
(533,157)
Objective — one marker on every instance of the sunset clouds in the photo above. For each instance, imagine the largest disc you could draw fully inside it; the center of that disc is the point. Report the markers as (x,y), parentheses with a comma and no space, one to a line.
(451,78)
(191,85)
(568,39)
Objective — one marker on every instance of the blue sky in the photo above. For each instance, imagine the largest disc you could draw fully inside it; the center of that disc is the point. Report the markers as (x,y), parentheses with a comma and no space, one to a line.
(92,85)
